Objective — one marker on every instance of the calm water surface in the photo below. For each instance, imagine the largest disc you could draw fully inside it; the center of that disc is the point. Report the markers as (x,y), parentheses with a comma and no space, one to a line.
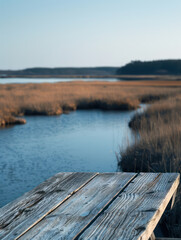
(80,141)
(53,80)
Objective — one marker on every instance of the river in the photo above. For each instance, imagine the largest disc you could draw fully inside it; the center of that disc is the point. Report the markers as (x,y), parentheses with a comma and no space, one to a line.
(84,140)
(53,80)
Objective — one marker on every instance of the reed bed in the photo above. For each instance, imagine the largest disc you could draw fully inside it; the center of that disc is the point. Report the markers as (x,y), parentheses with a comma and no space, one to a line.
(158,149)
(57,98)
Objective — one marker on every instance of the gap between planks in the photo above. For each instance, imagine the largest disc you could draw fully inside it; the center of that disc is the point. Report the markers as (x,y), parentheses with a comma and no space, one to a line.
(140,204)
(94,218)
(56,206)
(105,207)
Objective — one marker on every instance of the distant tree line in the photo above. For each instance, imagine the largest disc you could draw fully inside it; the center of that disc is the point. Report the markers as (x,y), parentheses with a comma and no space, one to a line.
(63,71)
(161,67)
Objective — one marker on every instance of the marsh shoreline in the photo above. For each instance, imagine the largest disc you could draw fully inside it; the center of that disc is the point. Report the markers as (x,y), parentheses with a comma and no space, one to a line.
(58,98)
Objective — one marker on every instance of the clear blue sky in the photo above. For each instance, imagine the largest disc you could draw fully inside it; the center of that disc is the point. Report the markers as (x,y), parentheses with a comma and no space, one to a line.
(59,33)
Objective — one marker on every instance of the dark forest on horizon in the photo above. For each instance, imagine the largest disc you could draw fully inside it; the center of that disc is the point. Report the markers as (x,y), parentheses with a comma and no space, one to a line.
(157,67)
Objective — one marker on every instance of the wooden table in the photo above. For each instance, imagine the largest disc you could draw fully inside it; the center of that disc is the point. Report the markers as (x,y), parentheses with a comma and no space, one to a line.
(90,206)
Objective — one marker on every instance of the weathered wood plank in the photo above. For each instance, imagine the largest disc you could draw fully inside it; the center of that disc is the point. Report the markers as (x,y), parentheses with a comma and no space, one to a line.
(137,210)
(74,214)
(20,214)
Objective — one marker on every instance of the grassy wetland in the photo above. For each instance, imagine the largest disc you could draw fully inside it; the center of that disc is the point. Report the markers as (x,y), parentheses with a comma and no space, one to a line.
(55,99)
(158,148)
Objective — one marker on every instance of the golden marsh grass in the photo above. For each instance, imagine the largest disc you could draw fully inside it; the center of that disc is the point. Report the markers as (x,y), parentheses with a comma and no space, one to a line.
(158,149)
(56,98)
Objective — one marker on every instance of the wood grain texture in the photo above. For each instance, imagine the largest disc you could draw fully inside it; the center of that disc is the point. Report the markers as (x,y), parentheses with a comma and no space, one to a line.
(20,214)
(137,210)
(123,206)
(74,214)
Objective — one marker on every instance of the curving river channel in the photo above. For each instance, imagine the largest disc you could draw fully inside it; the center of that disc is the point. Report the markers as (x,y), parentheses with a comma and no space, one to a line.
(86,140)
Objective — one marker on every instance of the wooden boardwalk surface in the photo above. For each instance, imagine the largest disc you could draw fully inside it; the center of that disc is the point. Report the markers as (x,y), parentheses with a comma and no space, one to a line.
(124,206)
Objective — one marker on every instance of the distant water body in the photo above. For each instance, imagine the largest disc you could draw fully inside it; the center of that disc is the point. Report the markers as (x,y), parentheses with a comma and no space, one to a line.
(84,140)
(53,80)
